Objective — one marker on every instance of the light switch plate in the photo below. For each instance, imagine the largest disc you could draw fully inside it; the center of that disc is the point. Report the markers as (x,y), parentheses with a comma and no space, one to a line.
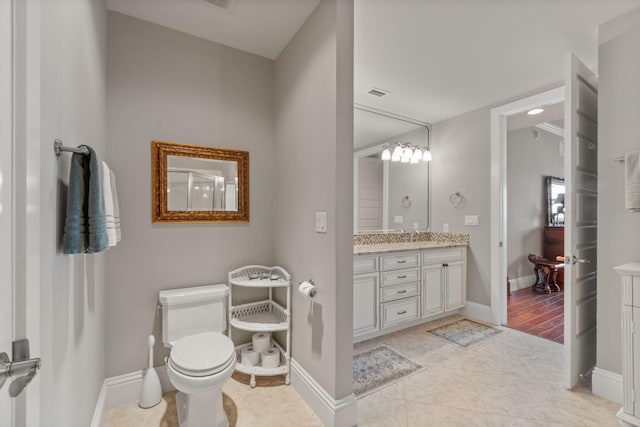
(321,222)
(445,227)
(471,220)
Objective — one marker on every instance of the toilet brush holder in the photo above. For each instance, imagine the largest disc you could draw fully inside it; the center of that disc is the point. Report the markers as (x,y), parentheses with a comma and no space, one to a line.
(151,393)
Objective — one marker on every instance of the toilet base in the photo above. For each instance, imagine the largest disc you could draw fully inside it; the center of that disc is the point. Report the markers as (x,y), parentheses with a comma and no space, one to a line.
(201,410)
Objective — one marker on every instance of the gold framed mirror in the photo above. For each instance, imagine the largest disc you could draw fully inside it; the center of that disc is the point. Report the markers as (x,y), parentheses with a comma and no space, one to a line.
(192,183)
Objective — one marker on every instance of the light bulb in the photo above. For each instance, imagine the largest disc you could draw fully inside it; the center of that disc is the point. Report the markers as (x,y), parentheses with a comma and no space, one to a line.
(386,154)
(417,154)
(407,153)
(426,156)
(396,155)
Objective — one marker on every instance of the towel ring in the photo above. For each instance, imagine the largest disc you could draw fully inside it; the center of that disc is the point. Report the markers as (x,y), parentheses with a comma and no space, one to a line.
(405,202)
(456,199)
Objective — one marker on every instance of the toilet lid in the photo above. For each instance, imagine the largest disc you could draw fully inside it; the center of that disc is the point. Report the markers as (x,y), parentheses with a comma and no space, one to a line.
(203,354)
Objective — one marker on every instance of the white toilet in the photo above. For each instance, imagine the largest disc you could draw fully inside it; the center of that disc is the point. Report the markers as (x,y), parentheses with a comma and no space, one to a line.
(202,358)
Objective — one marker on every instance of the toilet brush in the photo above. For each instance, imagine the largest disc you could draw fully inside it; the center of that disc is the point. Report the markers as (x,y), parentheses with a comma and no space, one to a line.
(151,393)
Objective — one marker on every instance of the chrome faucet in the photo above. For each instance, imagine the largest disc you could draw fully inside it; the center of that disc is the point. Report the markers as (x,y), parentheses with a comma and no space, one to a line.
(412,235)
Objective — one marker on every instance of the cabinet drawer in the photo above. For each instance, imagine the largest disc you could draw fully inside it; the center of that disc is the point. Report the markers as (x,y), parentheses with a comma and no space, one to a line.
(392,293)
(365,264)
(400,311)
(402,260)
(439,256)
(388,278)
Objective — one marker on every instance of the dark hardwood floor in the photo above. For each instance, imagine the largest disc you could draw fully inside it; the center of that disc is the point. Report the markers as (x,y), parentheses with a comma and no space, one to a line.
(537,313)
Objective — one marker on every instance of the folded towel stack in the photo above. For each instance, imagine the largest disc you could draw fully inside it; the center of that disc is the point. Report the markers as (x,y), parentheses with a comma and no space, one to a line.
(632,181)
(92,223)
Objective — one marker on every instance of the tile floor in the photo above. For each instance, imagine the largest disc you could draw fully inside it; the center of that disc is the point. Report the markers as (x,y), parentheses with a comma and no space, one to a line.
(511,379)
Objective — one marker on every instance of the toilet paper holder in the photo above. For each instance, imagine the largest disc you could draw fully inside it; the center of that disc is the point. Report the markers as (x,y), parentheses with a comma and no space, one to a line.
(307,288)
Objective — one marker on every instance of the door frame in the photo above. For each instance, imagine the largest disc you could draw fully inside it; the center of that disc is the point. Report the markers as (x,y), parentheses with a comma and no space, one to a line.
(27,205)
(498,221)
(6,195)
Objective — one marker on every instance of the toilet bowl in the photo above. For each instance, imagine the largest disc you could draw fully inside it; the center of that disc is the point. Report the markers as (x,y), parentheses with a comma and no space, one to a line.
(198,367)
(202,358)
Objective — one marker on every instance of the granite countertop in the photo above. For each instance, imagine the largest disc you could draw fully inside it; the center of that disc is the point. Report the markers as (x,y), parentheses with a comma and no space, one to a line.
(405,246)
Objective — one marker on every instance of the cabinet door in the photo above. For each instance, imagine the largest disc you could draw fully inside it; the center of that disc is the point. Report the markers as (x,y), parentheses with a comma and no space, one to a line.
(455,286)
(365,304)
(634,357)
(432,301)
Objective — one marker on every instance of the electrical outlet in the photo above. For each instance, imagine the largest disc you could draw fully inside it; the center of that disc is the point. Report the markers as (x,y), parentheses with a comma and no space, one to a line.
(397,219)
(445,227)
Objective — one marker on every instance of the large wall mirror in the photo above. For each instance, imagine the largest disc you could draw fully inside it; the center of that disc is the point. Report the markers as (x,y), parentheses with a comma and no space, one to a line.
(555,201)
(199,184)
(389,195)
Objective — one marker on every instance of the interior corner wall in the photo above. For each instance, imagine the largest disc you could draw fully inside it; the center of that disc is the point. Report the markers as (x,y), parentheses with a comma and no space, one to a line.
(529,161)
(72,300)
(314,142)
(618,133)
(460,147)
(169,86)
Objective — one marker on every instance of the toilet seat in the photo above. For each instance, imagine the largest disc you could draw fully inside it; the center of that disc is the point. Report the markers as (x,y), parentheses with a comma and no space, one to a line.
(201,355)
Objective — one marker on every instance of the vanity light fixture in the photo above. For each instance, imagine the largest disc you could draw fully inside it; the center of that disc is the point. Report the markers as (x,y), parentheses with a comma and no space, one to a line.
(406,153)
(535,111)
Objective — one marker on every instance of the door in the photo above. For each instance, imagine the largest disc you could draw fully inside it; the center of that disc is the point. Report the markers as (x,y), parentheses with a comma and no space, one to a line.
(6,205)
(581,180)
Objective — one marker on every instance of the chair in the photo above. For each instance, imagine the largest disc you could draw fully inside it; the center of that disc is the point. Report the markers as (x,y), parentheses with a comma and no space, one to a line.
(547,270)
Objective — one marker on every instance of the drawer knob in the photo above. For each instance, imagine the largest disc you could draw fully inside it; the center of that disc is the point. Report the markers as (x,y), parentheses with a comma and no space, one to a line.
(402,291)
(402,312)
(402,261)
(404,276)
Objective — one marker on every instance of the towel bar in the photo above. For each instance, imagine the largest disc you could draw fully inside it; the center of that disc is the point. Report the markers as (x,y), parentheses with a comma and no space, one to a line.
(58,148)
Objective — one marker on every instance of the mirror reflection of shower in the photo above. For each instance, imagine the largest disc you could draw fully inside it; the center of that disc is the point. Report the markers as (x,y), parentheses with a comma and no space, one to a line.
(190,190)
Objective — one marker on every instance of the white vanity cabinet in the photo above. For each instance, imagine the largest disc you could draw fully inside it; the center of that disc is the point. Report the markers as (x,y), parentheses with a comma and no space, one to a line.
(394,290)
(444,280)
(629,414)
(365,295)
(399,288)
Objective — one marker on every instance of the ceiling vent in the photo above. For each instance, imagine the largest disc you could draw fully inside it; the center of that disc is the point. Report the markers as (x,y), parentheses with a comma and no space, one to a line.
(378,92)
(226,5)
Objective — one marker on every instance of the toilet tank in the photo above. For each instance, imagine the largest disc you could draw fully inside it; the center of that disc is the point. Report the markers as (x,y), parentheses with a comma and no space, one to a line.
(190,311)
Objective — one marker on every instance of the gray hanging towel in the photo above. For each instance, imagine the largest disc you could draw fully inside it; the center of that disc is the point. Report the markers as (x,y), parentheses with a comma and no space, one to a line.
(85,223)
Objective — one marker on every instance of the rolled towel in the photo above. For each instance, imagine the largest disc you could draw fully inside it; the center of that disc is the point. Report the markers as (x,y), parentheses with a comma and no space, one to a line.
(632,181)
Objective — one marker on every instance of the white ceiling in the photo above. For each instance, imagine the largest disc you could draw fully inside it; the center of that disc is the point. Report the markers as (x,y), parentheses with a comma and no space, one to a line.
(552,114)
(255,26)
(439,58)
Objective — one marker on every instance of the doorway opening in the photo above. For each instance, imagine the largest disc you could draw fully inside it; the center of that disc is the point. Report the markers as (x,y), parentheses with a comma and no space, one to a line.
(535,221)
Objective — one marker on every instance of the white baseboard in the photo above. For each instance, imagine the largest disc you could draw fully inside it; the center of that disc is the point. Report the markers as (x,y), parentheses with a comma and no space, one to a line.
(522,282)
(98,412)
(607,384)
(477,311)
(123,389)
(333,413)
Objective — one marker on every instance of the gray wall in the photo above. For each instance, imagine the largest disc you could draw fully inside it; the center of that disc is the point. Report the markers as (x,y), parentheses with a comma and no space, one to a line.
(72,295)
(462,162)
(169,86)
(529,160)
(413,181)
(618,133)
(314,137)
